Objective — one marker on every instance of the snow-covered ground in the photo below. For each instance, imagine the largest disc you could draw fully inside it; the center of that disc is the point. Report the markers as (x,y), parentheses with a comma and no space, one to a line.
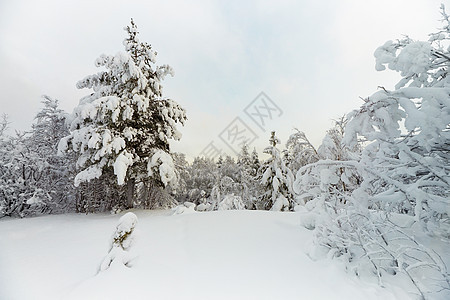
(214,255)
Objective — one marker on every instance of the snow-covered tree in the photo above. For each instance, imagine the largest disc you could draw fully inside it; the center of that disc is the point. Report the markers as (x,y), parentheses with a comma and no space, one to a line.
(404,169)
(277,179)
(224,187)
(7,203)
(407,158)
(255,163)
(229,168)
(101,194)
(227,182)
(182,170)
(56,174)
(332,148)
(244,159)
(329,175)
(202,177)
(248,165)
(231,202)
(125,124)
(299,151)
(33,179)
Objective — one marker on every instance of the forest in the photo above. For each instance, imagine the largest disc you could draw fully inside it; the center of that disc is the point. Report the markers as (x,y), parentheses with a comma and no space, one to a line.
(385,161)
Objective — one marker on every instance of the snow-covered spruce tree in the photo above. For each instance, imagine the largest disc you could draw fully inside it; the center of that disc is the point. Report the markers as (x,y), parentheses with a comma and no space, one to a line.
(125,124)
(277,180)
(408,130)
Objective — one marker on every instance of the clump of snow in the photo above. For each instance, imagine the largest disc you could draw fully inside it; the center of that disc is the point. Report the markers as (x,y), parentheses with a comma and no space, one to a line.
(203,207)
(308,219)
(186,207)
(281,204)
(384,55)
(34,200)
(415,58)
(123,161)
(231,202)
(87,174)
(327,176)
(162,162)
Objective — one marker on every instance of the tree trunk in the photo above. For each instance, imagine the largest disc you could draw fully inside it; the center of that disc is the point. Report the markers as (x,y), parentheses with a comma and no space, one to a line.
(130,192)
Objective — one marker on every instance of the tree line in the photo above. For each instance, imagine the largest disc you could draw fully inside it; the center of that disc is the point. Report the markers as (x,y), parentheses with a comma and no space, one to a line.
(388,157)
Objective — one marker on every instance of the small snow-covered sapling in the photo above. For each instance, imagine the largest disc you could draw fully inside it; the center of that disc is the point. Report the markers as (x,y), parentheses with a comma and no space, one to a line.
(123,236)
(121,242)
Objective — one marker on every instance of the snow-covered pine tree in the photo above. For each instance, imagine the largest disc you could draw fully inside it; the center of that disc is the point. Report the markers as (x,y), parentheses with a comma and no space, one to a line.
(125,124)
(277,179)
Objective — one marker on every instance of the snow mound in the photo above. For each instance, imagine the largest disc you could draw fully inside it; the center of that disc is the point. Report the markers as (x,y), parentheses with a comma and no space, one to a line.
(231,202)
(186,207)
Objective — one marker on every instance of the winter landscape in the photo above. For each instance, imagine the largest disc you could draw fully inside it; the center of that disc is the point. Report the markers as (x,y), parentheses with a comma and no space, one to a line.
(96,203)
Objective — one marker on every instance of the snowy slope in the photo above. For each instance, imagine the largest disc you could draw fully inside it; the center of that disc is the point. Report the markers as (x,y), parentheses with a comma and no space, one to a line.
(215,255)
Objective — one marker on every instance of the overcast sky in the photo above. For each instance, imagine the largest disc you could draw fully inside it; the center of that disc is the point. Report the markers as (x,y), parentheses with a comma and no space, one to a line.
(313,59)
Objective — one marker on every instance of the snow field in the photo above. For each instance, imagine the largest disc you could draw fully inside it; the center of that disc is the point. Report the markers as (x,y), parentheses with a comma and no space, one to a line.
(214,255)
